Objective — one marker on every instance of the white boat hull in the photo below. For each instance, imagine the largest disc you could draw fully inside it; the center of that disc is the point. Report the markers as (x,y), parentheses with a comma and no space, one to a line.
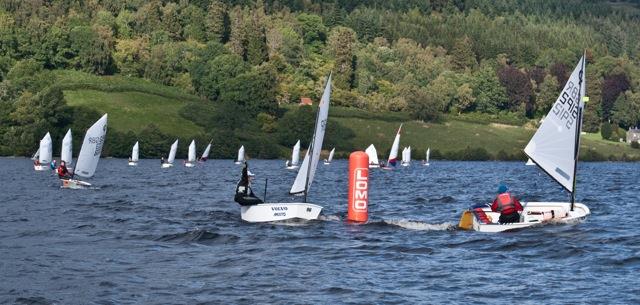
(265,212)
(40,167)
(292,167)
(133,163)
(535,214)
(74,184)
(167,165)
(327,163)
(425,163)
(189,164)
(374,166)
(237,162)
(406,164)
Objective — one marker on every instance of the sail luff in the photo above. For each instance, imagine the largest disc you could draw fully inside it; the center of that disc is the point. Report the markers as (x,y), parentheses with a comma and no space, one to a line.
(583,86)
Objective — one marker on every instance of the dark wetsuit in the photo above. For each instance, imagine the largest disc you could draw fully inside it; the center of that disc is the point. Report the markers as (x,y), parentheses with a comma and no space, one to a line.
(244,194)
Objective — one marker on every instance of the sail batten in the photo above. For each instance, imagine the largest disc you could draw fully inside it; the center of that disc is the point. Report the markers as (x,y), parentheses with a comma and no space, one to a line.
(307,170)
(555,146)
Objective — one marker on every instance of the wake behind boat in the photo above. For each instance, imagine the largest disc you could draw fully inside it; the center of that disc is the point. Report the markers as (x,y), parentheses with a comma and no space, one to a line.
(263,212)
(555,149)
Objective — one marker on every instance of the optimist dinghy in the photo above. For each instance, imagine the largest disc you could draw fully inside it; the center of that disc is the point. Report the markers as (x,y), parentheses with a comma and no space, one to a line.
(297,210)
(393,154)
(373,156)
(172,155)
(45,153)
(328,160)
(135,155)
(191,159)
(554,149)
(426,160)
(295,157)
(241,155)
(406,156)
(205,154)
(89,155)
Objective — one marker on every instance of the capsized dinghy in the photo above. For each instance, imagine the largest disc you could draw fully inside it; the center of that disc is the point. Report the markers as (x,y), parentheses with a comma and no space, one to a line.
(297,210)
(554,149)
(89,155)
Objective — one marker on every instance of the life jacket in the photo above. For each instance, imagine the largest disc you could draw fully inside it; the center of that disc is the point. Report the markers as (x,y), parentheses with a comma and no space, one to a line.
(61,172)
(506,205)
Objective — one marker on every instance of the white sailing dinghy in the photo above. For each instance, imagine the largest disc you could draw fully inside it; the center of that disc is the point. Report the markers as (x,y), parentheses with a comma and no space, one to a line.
(205,154)
(191,158)
(135,155)
(554,149)
(66,153)
(241,155)
(172,155)
(373,156)
(328,160)
(529,162)
(393,154)
(295,157)
(406,156)
(89,155)
(46,153)
(302,210)
(426,160)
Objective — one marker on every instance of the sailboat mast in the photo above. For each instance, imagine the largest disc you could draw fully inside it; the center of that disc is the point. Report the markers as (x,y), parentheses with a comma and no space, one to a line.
(578,130)
(313,140)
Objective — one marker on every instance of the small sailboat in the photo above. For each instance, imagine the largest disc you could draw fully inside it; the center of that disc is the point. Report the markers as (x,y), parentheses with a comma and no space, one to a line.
(426,160)
(554,149)
(45,155)
(373,156)
(89,155)
(302,210)
(241,155)
(295,157)
(66,153)
(191,158)
(135,155)
(205,154)
(529,162)
(406,156)
(393,154)
(172,155)
(328,160)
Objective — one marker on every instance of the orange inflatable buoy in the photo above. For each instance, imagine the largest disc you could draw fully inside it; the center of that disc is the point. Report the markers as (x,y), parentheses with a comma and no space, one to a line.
(358,187)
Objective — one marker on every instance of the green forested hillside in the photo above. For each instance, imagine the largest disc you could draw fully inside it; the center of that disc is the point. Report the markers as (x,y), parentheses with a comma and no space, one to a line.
(230,70)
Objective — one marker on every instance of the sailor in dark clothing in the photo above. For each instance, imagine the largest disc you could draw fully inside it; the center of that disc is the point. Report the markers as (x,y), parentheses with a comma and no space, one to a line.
(244,194)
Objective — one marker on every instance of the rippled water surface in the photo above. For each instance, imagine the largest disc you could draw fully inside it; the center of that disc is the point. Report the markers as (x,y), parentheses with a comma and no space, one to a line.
(147,235)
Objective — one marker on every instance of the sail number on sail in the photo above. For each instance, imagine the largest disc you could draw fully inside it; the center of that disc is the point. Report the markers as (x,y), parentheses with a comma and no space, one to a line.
(98,141)
(567,109)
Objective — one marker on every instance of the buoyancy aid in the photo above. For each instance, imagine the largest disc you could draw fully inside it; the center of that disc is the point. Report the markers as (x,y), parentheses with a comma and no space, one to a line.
(506,205)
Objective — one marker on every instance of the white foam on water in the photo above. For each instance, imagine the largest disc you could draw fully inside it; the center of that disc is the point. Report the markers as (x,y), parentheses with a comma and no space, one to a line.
(420,226)
(329,218)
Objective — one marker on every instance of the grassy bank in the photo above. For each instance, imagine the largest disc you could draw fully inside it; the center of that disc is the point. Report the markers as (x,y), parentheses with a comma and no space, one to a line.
(133,104)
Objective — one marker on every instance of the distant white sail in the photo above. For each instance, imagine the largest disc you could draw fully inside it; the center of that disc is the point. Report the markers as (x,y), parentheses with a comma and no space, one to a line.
(172,152)
(205,154)
(428,153)
(373,155)
(331,155)
(307,170)
(91,149)
(46,149)
(192,151)
(554,147)
(241,154)
(393,155)
(135,153)
(36,156)
(66,153)
(295,155)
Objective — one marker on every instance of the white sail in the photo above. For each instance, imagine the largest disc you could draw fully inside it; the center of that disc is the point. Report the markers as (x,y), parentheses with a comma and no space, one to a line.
(172,152)
(393,154)
(295,155)
(91,148)
(373,155)
(309,164)
(240,154)
(192,152)
(46,149)
(135,154)
(36,156)
(331,155)
(554,147)
(66,154)
(205,154)
(428,153)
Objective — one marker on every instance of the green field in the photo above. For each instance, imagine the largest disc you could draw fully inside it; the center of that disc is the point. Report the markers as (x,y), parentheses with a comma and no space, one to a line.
(132,104)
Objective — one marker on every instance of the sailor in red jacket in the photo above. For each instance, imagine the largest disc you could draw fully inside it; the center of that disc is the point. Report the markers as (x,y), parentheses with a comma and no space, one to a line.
(507,205)
(63,172)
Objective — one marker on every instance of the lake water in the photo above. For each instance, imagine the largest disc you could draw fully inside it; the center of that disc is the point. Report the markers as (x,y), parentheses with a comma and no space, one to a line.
(174,236)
